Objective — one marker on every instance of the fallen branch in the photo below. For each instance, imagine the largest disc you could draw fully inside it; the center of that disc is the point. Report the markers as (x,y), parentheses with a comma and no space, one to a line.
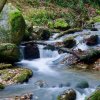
(2,3)
(70,31)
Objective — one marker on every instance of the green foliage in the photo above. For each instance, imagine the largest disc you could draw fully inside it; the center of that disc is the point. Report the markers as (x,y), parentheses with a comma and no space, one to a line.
(96,19)
(41,16)
(74,3)
(58,23)
(98,11)
(95,95)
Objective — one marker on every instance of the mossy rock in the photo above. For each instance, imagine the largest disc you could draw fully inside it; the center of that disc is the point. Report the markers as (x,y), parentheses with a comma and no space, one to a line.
(91,57)
(69,42)
(82,85)
(1,86)
(9,52)
(95,95)
(23,76)
(12,25)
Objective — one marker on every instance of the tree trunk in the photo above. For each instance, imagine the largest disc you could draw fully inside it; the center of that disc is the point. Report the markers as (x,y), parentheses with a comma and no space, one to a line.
(2,3)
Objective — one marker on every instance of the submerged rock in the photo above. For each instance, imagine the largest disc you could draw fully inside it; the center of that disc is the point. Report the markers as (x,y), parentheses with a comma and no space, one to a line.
(41,83)
(69,94)
(95,95)
(83,84)
(31,51)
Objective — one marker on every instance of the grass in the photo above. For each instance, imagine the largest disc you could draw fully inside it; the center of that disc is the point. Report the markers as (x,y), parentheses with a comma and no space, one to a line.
(95,95)
(40,16)
(43,13)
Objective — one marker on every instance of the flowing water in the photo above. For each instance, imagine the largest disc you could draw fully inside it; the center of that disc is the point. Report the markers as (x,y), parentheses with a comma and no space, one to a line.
(55,77)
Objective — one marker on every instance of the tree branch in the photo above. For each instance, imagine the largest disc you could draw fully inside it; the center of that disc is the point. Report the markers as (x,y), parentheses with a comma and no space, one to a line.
(2,3)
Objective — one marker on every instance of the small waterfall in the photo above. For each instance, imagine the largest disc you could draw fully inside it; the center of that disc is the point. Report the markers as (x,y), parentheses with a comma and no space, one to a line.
(22,52)
(45,53)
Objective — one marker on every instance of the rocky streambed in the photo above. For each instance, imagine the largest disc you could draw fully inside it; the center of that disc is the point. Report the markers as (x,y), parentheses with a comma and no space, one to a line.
(53,75)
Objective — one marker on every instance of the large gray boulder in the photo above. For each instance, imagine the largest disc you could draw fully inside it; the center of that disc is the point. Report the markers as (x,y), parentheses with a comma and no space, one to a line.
(12,25)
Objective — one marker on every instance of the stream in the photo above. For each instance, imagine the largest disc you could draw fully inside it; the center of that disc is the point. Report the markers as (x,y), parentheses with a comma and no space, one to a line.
(55,77)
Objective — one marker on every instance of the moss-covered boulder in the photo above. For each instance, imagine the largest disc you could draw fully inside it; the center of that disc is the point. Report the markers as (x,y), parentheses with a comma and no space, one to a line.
(12,25)
(69,42)
(9,52)
(23,76)
(14,74)
(95,95)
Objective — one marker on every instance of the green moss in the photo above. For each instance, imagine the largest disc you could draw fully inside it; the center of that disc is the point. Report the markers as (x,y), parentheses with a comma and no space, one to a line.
(1,86)
(5,66)
(15,75)
(23,76)
(70,31)
(17,23)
